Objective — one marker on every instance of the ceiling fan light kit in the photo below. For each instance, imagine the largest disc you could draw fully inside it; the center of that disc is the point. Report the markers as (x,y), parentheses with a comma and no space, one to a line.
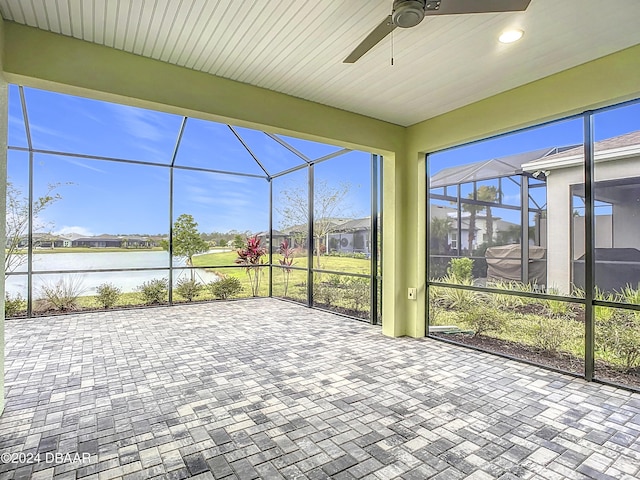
(409,13)
(510,36)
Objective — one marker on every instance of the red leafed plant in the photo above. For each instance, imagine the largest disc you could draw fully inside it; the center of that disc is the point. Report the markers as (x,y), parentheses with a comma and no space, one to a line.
(251,257)
(285,262)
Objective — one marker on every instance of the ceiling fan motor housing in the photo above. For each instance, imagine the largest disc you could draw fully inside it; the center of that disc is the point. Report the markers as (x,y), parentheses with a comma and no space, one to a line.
(408,13)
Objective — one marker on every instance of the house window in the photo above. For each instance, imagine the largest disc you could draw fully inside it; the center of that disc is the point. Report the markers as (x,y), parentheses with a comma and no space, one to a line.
(454,240)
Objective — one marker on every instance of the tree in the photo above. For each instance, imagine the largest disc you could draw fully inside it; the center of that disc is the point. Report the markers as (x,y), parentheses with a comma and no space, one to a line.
(17,221)
(488,194)
(329,205)
(439,233)
(473,210)
(238,241)
(485,194)
(187,242)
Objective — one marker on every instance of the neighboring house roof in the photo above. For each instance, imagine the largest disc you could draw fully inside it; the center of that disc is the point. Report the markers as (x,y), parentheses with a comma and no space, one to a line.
(614,148)
(353,225)
(302,228)
(489,169)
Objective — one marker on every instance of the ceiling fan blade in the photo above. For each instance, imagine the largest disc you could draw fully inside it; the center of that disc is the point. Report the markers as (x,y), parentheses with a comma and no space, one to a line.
(455,7)
(378,33)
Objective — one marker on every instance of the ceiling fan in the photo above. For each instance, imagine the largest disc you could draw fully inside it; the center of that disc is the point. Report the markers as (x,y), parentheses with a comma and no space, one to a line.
(409,13)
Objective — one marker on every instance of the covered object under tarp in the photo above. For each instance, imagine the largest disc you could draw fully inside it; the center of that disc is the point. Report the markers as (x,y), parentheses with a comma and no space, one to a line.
(616,268)
(504,263)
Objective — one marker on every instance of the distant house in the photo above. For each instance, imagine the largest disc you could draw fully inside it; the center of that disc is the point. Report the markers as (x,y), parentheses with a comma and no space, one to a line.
(156,240)
(617,215)
(137,241)
(47,240)
(353,236)
(101,241)
(278,238)
(346,235)
(504,232)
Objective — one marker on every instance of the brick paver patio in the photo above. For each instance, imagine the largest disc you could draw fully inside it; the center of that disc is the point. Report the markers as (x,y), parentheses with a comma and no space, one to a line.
(267,389)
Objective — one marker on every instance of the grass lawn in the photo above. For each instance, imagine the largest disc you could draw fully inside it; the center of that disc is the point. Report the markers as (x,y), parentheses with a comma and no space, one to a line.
(297,280)
(337,264)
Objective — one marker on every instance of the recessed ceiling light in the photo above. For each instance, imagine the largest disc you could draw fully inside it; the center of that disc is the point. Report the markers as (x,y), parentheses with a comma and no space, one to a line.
(510,36)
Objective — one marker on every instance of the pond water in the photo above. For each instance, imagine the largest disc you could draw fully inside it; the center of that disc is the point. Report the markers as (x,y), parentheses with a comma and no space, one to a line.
(88,281)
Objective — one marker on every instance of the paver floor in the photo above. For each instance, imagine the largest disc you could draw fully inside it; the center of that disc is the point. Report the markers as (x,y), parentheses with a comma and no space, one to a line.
(268,389)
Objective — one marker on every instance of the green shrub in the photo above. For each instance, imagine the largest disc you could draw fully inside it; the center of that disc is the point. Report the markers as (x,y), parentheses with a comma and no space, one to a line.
(330,291)
(578,292)
(503,301)
(14,306)
(62,295)
(325,294)
(482,319)
(357,293)
(557,308)
(620,336)
(154,291)
(604,314)
(107,295)
(457,297)
(508,302)
(225,288)
(631,295)
(188,289)
(460,269)
(549,335)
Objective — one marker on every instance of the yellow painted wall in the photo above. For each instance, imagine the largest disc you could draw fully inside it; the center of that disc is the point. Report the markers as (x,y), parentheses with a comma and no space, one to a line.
(46,60)
(601,82)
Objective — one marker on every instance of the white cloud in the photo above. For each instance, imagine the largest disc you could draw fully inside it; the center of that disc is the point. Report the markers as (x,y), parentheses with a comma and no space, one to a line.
(140,123)
(83,165)
(67,229)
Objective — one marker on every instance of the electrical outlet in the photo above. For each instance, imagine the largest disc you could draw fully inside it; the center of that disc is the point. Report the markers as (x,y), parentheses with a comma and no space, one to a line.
(411,294)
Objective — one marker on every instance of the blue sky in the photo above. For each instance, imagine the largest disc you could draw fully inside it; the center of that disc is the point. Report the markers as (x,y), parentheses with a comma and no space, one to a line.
(607,123)
(119,198)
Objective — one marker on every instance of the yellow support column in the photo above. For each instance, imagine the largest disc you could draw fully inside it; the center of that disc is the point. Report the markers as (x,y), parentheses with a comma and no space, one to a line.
(3,198)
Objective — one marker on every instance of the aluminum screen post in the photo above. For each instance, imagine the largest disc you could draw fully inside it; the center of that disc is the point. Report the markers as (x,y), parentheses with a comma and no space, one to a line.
(270,180)
(310,239)
(589,231)
(524,229)
(428,247)
(25,114)
(373,241)
(170,243)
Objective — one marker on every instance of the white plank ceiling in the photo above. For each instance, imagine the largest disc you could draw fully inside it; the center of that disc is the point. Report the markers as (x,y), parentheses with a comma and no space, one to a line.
(297,47)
